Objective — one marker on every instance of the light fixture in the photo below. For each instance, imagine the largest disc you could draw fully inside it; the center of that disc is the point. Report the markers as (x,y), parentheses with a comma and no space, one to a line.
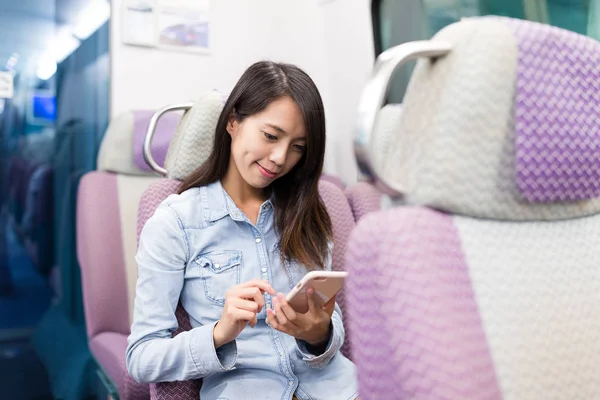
(63,46)
(46,67)
(93,16)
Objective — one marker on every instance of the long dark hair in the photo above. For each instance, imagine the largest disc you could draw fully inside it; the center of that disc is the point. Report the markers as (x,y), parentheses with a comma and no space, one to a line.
(301,217)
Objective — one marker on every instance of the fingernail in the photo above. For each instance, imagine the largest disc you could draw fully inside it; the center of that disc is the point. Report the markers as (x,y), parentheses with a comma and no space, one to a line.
(311,290)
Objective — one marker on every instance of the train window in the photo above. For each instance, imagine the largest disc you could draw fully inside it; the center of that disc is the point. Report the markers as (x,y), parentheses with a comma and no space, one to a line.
(400,21)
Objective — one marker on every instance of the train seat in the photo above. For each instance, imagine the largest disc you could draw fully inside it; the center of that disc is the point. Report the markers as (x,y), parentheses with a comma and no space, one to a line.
(481,279)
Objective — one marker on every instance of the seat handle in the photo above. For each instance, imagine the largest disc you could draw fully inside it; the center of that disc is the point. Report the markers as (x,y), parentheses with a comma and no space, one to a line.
(373,97)
(147,152)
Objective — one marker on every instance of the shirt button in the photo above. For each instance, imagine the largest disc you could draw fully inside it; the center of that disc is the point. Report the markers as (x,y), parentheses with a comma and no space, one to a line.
(264,270)
(291,383)
(257,240)
(217,266)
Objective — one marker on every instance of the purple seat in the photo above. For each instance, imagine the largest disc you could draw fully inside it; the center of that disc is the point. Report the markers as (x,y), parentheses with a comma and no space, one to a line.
(481,280)
(107,206)
(190,147)
(334,179)
(363,199)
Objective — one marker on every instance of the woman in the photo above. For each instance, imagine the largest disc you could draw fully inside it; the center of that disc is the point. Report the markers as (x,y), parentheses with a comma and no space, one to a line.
(243,230)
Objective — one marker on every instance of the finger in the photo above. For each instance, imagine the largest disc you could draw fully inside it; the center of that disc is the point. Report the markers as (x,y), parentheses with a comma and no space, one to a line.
(274,322)
(272,318)
(245,304)
(281,317)
(238,315)
(314,301)
(330,306)
(253,322)
(259,283)
(288,311)
(251,293)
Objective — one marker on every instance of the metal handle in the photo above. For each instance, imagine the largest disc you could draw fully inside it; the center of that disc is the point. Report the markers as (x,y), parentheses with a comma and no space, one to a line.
(150,135)
(373,96)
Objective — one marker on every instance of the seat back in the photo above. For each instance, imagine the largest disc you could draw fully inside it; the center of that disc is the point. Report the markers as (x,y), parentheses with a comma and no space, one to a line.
(481,281)
(107,203)
(190,147)
(363,196)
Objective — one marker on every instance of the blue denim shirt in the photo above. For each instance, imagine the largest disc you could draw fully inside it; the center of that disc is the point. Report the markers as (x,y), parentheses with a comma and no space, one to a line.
(195,247)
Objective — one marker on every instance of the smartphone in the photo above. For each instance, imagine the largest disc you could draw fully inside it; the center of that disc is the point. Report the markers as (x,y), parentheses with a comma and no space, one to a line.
(325,283)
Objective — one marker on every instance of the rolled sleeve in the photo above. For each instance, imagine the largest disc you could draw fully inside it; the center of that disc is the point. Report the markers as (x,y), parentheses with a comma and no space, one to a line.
(207,359)
(336,340)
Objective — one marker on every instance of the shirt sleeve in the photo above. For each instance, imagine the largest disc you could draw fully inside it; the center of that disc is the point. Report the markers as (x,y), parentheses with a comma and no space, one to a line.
(153,355)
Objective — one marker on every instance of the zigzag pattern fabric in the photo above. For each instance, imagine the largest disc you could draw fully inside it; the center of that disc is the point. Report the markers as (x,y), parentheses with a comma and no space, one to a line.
(557,114)
(193,141)
(496,295)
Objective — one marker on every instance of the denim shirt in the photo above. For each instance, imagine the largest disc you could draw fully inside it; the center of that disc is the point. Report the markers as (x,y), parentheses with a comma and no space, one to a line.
(194,248)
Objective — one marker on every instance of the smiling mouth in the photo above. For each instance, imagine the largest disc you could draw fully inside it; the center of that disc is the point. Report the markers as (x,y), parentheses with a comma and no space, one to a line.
(265,172)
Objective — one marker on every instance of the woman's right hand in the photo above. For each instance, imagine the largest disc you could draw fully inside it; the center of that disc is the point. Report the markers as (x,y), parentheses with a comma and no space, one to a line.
(242,303)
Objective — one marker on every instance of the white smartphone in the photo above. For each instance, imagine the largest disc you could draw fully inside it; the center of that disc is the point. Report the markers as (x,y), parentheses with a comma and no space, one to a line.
(325,283)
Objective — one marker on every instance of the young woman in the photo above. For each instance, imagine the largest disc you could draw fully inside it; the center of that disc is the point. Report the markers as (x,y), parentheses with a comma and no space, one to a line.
(243,230)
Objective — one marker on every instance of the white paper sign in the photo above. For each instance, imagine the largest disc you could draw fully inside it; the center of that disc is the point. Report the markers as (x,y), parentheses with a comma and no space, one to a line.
(6,85)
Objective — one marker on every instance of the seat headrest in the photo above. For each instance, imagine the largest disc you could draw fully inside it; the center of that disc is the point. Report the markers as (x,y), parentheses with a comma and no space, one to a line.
(193,140)
(121,150)
(504,126)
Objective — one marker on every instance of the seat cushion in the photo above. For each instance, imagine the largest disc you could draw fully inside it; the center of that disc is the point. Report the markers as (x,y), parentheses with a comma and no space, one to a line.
(109,349)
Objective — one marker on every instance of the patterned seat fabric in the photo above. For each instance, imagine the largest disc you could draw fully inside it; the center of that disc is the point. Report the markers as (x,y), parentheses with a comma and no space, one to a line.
(107,206)
(191,146)
(364,197)
(483,283)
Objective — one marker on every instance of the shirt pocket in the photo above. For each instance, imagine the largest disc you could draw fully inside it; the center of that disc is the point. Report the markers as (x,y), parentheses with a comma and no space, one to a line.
(219,271)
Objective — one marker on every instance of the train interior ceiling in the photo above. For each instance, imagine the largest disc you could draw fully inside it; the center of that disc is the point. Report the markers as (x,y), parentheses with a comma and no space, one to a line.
(73,72)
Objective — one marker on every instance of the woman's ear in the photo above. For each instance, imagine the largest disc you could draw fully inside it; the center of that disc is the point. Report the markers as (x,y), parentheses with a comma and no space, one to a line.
(232,125)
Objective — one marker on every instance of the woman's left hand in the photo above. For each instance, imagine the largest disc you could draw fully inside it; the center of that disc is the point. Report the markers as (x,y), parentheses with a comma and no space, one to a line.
(312,327)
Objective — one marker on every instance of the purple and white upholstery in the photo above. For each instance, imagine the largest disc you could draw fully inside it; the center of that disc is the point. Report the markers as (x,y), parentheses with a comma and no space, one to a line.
(190,147)
(107,207)
(363,198)
(482,282)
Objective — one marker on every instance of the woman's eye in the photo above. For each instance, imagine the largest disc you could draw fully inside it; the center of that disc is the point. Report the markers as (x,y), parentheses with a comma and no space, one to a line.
(300,148)
(269,136)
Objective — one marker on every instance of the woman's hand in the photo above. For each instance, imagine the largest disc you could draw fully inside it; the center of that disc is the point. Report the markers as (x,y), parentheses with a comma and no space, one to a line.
(312,327)
(242,303)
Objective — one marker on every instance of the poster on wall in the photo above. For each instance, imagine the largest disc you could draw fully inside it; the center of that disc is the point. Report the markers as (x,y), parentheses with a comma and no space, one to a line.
(139,25)
(180,25)
(184,25)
